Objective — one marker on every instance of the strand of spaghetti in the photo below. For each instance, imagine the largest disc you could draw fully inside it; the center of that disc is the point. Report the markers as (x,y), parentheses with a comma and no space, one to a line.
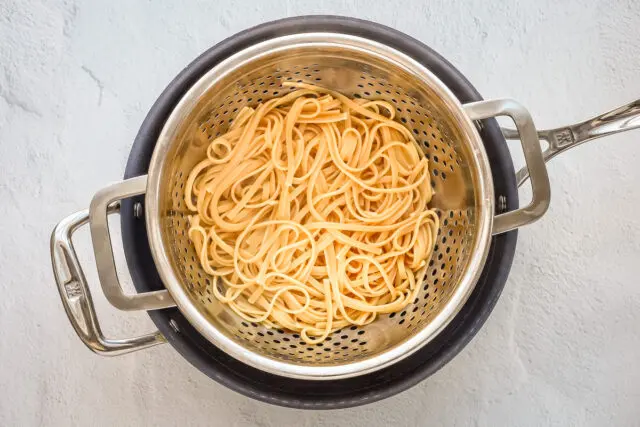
(327,326)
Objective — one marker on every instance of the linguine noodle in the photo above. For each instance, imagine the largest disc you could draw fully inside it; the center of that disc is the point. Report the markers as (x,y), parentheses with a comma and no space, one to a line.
(311,212)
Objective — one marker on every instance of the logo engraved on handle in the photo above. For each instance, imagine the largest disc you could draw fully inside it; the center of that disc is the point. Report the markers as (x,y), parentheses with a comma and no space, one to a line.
(563,137)
(73,289)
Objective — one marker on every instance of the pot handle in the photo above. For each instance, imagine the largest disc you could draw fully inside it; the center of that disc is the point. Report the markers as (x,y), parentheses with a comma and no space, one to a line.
(72,283)
(541,188)
(76,297)
(626,117)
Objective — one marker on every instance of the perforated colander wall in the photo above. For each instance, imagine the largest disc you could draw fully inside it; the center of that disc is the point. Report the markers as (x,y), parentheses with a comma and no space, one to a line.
(453,200)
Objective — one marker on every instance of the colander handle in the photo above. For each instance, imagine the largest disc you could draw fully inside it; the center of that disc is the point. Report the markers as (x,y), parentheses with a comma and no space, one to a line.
(76,297)
(541,188)
(98,212)
(626,117)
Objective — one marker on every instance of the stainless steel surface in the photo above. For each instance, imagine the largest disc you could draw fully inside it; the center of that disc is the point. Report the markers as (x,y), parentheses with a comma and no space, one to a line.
(541,187)
(102,247)
(624,118)
(460,173)
(76,297)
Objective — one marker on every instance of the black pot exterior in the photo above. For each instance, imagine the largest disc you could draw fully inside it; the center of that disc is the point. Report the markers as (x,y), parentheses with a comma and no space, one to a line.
(303,393)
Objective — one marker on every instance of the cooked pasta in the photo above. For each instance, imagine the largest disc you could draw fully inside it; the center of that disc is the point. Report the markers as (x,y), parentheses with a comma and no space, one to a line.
(312,212)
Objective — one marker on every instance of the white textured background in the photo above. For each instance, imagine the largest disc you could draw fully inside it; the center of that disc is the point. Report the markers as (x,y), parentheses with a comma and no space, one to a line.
(562,346)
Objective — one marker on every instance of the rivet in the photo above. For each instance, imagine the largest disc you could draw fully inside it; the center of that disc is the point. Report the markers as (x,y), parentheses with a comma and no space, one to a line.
(174,325)
(502,204)
(137,210)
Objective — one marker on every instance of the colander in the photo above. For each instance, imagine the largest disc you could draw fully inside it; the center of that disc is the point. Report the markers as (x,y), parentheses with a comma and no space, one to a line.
(359,66)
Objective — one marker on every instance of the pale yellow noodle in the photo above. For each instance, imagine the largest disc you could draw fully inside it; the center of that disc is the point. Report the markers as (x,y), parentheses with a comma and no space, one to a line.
(312,212)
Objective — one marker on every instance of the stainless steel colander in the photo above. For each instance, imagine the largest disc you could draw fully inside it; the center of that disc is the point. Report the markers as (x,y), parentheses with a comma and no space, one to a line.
(358,67)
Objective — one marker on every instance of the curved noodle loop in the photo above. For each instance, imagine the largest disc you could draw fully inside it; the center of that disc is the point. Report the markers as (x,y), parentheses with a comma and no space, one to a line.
(311,212)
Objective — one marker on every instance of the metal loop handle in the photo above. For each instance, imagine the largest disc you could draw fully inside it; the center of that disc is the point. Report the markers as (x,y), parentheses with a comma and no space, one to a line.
(104,252)
(533,156)
(76,297)
(624,118)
